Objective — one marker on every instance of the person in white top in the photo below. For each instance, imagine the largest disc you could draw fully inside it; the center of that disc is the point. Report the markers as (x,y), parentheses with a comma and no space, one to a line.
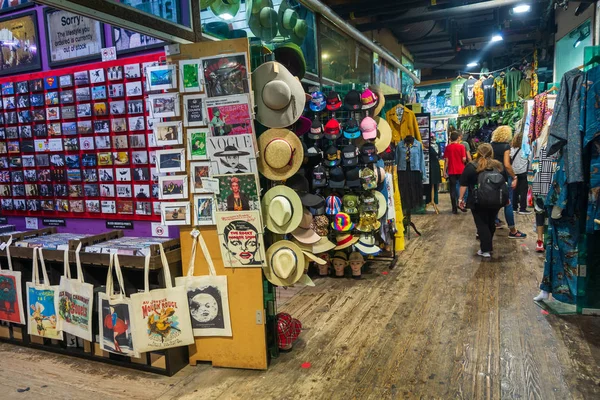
(519,164)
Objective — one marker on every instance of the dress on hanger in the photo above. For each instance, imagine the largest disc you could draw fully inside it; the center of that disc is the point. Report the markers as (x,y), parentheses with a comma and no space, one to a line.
(500,90)
(478,92)
(512,79)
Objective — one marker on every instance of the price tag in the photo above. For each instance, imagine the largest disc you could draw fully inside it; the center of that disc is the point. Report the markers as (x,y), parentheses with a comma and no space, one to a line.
(211,185)
(195,233)
(109,53)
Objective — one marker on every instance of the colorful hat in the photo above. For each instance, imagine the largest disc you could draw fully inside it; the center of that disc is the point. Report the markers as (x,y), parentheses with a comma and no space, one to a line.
(320,224)
(332,129)
(342,222)
(316,129)
(333,205)
(262,19)
(384,134)
(350,156)
(381,204)
(344,241)
(352,101)
(337,179)
(368,99)
(334,101)
(288,330)
(317,101)
(368,222)
(367,179)
(282,209)
(280,154)
(285,263)
(350,204)
(332,157)
(319,177)
(351,129)
(279,95)
(291,56)
(353,178)
(366,244)
(368,126)
(300,185)
(380,99)
(368,153)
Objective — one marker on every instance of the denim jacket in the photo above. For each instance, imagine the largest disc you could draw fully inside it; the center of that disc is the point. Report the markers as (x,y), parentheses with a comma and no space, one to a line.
(417,160)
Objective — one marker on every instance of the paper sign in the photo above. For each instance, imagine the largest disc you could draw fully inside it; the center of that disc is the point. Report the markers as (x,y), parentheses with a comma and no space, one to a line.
(159,230)
(109,53)
(211,185)
(31,223)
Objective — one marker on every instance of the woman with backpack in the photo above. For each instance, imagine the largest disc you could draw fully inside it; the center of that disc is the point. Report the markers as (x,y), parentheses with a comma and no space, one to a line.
(519,166)
(485,181)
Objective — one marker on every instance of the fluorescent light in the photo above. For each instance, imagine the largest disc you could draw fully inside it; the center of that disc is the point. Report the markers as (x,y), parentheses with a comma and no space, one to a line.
(324,56)
(521,8)
(577,43)
(226,16)
(497,38)
(472,64)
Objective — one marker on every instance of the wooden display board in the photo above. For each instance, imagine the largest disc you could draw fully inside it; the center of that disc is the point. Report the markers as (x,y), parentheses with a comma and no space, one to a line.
(247,348)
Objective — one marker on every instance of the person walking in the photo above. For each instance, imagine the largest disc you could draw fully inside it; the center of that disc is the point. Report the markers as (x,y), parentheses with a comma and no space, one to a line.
(484,214)
(519,166)
(455,157)
(501,138)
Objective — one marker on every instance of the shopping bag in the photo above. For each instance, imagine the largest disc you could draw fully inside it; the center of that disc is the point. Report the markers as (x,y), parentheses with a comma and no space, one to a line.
(207,296)
(41,298)
(114,312)
(75,301)
(161,317)
(11,297)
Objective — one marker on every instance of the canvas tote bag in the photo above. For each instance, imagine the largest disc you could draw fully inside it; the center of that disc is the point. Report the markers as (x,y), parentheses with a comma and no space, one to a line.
(114,312)
(75,300)
(41,297)
(11,297)
(161,317)
(207,296)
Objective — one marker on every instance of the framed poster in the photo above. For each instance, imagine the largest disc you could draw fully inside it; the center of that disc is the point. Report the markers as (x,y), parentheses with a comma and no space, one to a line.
(24,55)
(72,38)
(13,5)
(127,41)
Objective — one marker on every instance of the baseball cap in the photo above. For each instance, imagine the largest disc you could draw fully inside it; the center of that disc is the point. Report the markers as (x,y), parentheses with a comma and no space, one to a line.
(319,179)
(332,157)
(368,126)
(353,178)
(350,203)
(349,156)
(333,205)
(300,184)
(332,129)
(368,202)
(368,99)
(367,179)
(317,101)
(351,129)
(316,129)
(334,101)
(337,179)
(352,101)
(314,155)
(368,153)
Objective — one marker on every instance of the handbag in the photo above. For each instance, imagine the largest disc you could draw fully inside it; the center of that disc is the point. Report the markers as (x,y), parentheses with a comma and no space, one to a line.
(41,298)
(161,317)
(11,297)
(75,301)
(115,328)
(207,296)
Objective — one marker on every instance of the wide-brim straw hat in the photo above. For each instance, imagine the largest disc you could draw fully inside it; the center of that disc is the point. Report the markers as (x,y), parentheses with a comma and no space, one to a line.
(262,19)
(285,263)
(282,209)
(366,244)
(345,241)
(384,134)
(380,99)
(280,154)
(382,204)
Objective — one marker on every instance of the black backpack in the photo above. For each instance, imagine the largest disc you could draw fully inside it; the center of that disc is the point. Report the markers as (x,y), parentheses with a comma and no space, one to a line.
(491,190)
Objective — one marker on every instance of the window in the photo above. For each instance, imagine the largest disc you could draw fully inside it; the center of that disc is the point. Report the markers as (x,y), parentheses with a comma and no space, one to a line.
(175,11)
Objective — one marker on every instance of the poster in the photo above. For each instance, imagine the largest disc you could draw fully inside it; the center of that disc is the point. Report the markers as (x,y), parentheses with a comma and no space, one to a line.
(229,115)
(193,110)
(204,210)
(115,326)
(42,314)
(240,234)
(225,76)
(127,41)
(237,192)
(23,53)
(231,154)
(11,302)
(72,36)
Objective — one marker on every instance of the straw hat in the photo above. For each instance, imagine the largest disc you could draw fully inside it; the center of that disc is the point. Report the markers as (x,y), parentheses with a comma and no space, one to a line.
(311,257)
(323,245)
(280,98)
(345,241)
(384,134)
(382,208)
(366,244)
(285,263)
(380,99)
(282,209)
(280,154)
(262,19)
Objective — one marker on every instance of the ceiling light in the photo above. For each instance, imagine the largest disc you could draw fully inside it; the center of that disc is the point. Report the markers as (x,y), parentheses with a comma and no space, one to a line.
(497,38)
(521,8)
(472,64)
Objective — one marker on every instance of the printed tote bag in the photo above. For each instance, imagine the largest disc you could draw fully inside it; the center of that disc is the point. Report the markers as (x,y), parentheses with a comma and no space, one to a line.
(11,297)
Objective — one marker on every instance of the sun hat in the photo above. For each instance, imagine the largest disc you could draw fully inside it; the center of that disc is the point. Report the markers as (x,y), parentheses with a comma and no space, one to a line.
(288,330)
(333,205)
(280,154)
(337,179)
(222,7)
(356,256)
(381,204)
(367,178)
(366,244)
(379,174)
(302,126)
(332,129)
(323,245)
(292,57)
(352,101)
(317,101)
(368,99)
(368,153)
(300,185)
(282,209)
(332,156)
(368,126)
(279,95)
(319,179)
(316,129)
(230,151)
(288,18)
(303,233)
(368,202)
(299,32)
(342,222)
(344,241)
(368,222)
(349,156)
(353,178)
(380,99)
(351,129)
(262,19)
(310,257)
(285,263)
(384,134)
(350,203)
(334,101)
(320,224)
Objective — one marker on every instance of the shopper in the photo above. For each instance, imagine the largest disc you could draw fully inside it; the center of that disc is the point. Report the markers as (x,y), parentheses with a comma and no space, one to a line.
(483,215)
(501,138)
(455,157)
(519,166)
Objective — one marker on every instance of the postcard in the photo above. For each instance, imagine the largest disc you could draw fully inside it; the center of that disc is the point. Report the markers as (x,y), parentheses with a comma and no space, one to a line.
(229,115)
(170,160)
(204,210)
(189,72)
(175,213)
(193,110)
(164,105)
(173,187)
(199,170)
(168,133)
(161,77)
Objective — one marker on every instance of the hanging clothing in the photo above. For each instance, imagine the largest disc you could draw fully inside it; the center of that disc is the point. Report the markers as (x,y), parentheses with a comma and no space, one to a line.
(468,93)
(435,172)
(524,91)
(456,97)
(500,90)
(399,235)
(478,92)
(543,167)
(539,115)
(564,132)
(489,93)
(512,79)
(410,157)
(411,170)
(534,85)
(403,123)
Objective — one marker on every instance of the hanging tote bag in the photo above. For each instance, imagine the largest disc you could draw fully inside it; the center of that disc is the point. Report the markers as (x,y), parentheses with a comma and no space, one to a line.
(75,301)
(161,317)
(207,296)
(114,312)
(11,297)
(41,297)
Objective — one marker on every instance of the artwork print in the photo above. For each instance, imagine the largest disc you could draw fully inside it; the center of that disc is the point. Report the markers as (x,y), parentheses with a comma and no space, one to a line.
(11,302)
(126,41)
(193,110)
(42,313)
(241,240)
(173,187)
(237,192)
(225,76)
(198,171)
(164,105)
(231,154)
(161,77)
(24,55)
(117,336)
(189,76)
(204,210)
(229,115)
(197,144)
(168,133)
(175,213)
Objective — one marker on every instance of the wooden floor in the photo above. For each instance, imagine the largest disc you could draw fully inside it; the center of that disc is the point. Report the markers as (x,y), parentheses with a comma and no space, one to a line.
(443,324)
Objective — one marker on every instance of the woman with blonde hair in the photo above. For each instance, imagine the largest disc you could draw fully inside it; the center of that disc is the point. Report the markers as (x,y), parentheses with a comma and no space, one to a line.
(501,138)
(485,218)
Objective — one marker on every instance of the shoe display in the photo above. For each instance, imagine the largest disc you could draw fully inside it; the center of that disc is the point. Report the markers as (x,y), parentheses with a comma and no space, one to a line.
(540,246)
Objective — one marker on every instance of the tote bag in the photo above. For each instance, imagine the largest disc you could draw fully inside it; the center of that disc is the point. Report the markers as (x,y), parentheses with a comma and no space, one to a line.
(114,312)
(161,317)
(41,297)
(207,296)
(11,297)
(74,301)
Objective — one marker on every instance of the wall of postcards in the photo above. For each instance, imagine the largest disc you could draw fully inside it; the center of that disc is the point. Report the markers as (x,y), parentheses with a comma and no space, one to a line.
(78,142)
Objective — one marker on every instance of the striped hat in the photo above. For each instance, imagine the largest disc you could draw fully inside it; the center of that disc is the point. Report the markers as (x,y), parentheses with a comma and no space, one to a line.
(333,205)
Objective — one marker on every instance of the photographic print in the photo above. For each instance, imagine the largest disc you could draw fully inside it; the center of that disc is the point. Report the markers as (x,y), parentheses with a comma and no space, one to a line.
(116,90)
(119,124)
(193,110)
(120,142)
(65,81)
(42,160)
(138,141)
(189,71)
(25,132)
(12,132)
(161,77)
(124,191)
(240,234)
(231,154)
(197,144)
(92,206)
(132,71)
(106,174)
(170,160)
(199,170)
(124,175)
(140,157)
(135,106)
(71,144)
(115,73)
(143,208)
(85,127)
(109,206)
(102,126)
(36,85)
(24,53)
(136,123)
(175,213)
(172,187)
(68,112)
(81,78)
(84,110)
(237,192)
(168,133)
(9,102)
(29,161)
(97,75)
(141,192)
(117,107)
(229,115)
(102,142)
(52,113)
(133,88)
(36,100)
(11,117)
(225,75)
(99,92)
(100,109)
(83,94)
(164,105)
